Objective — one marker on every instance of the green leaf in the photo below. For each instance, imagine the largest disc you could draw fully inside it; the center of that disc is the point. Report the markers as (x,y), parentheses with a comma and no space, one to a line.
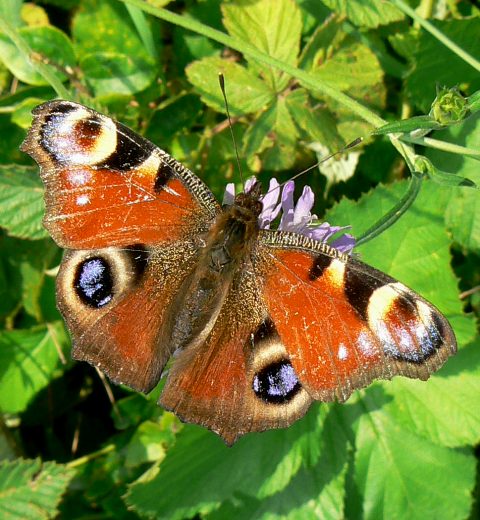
(401,475)
(149,442)
(273,135)
(105,26)
(273,26)
(316,491)
(22,115)
(49,42)
(31,490)
(10,10)
(318,123)
(21,202)
(111,73)
(246,93)
(463,208)
(353,65)
(29,360)
(366,13)
(176,114)
(309,456)
(446,409)
(434,64)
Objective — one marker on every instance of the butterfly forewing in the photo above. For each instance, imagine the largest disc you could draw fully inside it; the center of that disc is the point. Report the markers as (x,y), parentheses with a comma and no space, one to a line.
(107,186)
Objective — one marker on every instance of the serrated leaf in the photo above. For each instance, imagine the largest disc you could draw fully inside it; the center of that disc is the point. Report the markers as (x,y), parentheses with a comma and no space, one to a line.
(317,122)
(401,475)
(21,202)
(110,73)
(446,409)
(366,13)
(431,56)
(271,460)
(273,136)
(353,65)
(49,42)
(316,491)
(28,362)
(273,26)
(31,490)
(246,93)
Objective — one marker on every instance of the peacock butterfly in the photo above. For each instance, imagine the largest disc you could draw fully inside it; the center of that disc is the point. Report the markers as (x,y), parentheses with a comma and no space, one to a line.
(259,322)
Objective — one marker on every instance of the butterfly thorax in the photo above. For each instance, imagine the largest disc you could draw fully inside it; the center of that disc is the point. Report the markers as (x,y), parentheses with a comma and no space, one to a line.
(225,249)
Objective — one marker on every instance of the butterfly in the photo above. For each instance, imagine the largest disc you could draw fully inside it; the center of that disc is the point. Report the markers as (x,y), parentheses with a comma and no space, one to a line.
(258,323)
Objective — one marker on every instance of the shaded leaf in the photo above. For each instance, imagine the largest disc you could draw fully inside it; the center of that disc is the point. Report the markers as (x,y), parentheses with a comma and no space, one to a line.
(431,56)
(31,490)
(111,73)
(29,360)
(463,208)
(401,475)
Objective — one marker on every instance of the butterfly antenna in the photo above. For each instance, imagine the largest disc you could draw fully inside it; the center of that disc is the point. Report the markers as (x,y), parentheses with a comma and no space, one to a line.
(352,144)
(221,81)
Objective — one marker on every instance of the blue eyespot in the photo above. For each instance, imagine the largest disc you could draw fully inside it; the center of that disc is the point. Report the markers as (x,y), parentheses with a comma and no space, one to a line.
(94,282)
(276,383)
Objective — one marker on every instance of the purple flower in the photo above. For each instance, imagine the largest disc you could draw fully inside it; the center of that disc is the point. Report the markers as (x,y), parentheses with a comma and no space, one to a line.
(297,217)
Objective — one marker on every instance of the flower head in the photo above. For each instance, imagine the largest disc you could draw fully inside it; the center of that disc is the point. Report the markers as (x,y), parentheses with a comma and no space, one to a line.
(294,217)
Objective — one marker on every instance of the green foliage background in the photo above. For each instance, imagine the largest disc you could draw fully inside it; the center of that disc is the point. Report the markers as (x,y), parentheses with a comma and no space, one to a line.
(301,76)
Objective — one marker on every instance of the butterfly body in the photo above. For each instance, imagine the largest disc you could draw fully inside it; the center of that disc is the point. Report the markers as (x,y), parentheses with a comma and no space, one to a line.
(258,323)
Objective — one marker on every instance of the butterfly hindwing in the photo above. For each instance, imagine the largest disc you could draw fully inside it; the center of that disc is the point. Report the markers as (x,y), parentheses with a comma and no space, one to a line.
(240,379)
(107,186)
(344,323)
(115,302)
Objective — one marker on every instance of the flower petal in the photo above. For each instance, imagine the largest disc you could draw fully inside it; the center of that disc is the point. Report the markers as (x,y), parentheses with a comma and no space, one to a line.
(303,207)
(229,194)
(287,206)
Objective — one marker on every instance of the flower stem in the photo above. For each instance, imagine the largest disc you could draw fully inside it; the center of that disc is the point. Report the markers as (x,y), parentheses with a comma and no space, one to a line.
(396,212)
(91,456)
(442,145)
(249,50)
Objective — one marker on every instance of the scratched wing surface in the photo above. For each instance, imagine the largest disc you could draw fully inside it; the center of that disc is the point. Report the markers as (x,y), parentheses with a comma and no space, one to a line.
(107,186)
(343,323)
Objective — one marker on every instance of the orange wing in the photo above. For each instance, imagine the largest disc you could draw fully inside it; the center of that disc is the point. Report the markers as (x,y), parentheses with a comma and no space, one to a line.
(107,186)
(240,379)
(114,302)
(344,323)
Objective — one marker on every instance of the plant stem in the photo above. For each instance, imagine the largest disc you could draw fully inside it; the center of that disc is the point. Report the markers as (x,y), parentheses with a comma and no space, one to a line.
(395,213)
(249,50)
(461,53)
(442,145)
(91,456)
